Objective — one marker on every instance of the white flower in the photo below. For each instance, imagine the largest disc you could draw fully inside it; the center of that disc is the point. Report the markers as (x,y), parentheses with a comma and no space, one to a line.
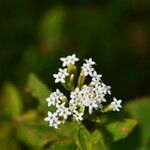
(63,111)
(69,60)
(73,102)
(55,98)
(58,94)
(101,99)
(116,104)
(85,89)
(99,91)
(61,75)
(90,62)
(63,71)
(78,116)
(96,77)
(100,106)
(53,120)
(90,95)
(51,101)
(72,107)
(106,89)
(75,93)
(87,69)
(91,104)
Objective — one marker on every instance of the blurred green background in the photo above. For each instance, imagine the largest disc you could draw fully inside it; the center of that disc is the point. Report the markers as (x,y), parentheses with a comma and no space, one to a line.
(35,34)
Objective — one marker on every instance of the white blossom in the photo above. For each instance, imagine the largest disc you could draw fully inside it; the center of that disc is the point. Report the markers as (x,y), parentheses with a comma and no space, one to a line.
(116,104)
(63,71)
(69,60)
(75,93)
(87,69)
(106,89)
(61,75)
(53,120)
(96,77)
(73,102)
(75,97)
(55,98)
(78,116)
(100,106)
(100,99)
(90,62)
(51,101)
(63,111)
(72,107)
(91,104)
(89,96)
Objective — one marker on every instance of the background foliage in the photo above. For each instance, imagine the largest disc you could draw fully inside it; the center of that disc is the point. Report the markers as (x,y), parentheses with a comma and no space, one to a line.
(35,34)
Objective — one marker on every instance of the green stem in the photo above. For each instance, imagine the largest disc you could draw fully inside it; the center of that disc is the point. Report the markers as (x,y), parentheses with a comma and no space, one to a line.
(81,80)
(107,108)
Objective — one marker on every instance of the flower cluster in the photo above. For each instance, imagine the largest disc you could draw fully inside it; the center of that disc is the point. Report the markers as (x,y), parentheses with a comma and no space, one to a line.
(84,98)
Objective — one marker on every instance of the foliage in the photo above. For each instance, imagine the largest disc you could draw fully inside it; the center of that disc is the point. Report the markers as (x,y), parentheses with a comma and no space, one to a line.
(31,131)
(38,90)
(140,137)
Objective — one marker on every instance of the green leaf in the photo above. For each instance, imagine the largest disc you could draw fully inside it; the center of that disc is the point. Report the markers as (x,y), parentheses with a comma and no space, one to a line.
(67,137)
(85,139)
(121,129)
(140,110)
(35,134)
(139,139)
(69,130)
(30,115)
(110,130)
(10,101)
(51,24)
(97,137)
(98,142)
(63,146)
(38,90)
(6,134)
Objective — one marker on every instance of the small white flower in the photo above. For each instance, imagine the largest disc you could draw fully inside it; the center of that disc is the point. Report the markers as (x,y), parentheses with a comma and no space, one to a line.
(53,120)
(116,104)
(90,62)
(55,98)
(58,94)
(100,106)
(85,89)
(99,99)
(72,107)
(69,60)
(73,102)
(59,78)
(87,69)
(96,77)
(51,101)
(61,75)
(63,111)
(106,89)
(102,99)
(75,93)
(91,104)
(63,71)
(78,116)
